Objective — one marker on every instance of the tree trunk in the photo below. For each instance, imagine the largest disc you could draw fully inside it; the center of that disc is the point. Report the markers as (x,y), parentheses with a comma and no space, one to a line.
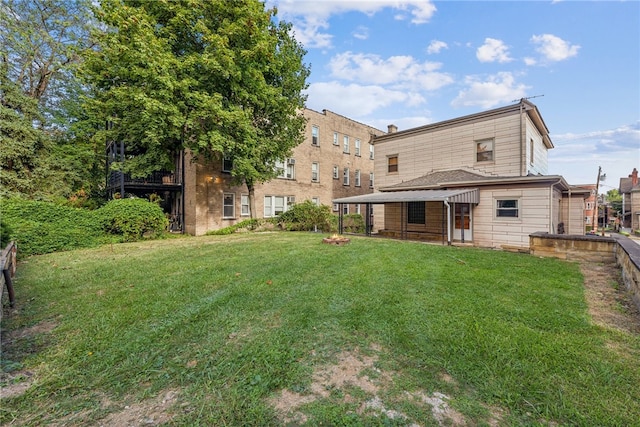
(252,200)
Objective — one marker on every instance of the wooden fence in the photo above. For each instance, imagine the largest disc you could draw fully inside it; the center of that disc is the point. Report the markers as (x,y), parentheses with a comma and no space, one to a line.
(8,265)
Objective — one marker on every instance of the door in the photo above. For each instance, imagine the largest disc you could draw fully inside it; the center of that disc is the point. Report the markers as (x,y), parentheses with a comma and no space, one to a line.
(462,222)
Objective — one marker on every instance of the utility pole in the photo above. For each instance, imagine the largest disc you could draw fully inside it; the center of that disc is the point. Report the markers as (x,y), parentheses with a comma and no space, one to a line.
(595,204)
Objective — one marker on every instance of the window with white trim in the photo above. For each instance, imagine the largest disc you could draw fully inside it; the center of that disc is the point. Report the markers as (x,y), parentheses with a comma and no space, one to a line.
(244,205)
(286,168)
(532,151)
(371,151)
(589,206)
(315,172)
(358,208)
(315,201)
(356,178)
(370,179)
(228,205)
(315,135)
(275,205)
(507,208)
(345,176)
(335,207)
(345,140)
(357,147)
(335,139)
(336,172)
(345,208)
(484,150)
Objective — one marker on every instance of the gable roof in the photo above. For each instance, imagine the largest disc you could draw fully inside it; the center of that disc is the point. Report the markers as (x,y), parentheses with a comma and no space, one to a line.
(522,106)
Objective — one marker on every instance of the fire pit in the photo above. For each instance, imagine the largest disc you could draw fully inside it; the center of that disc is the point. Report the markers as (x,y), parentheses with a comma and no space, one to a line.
(336,240)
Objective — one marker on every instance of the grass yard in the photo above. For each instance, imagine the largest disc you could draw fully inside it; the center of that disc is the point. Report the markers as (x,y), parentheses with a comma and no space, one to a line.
(278,328)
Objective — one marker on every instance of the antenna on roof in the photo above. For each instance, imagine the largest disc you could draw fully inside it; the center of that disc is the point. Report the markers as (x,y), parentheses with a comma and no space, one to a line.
(528,97)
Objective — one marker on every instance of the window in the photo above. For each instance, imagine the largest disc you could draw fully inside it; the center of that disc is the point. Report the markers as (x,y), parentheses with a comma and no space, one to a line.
(315,174)
(345,177)
(587,220)
(484,150)
(356,178)
(228,205)
(346,144)
(275,205)
(371,151)
(507,208)
(335,138)
(345,209)
(357,147)
(392,164)
(227,164)
(531,149)
(416,213)
(358,208)
(335,207)
(315,135)
(589,206)
(336,172)
(286,168)
(370,179)
(244,205)
(315,201)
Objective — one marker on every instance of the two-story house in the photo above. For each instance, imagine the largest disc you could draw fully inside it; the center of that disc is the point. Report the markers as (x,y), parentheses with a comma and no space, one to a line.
(479,179)
(335,160)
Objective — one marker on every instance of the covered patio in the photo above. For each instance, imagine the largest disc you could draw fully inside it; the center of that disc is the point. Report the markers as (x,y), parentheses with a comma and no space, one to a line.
(443,213)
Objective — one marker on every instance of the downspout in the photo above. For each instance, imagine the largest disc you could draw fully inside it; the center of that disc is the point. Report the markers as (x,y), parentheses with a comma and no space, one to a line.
(446,203)
(522,161)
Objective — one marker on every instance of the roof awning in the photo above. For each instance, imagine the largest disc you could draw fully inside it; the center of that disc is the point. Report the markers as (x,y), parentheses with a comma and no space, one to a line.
(461,195)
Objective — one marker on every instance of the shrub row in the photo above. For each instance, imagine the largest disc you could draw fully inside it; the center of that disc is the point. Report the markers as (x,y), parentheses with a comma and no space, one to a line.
(42,227)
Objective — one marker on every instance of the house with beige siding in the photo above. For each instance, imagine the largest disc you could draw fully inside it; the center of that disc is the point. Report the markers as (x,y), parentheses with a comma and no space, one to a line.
(480,179)
(629,189)
(335,160)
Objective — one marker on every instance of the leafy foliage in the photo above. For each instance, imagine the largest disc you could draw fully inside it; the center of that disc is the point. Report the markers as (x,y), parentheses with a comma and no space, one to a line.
(307,216)
(5,233)
(42,227)
(353,223)
(250,224)
(132,218)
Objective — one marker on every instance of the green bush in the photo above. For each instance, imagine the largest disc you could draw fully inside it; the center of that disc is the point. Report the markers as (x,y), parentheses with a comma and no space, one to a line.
(307,216)
(42,227)
(5,234)
(246,224)
(353,223)
(132,219)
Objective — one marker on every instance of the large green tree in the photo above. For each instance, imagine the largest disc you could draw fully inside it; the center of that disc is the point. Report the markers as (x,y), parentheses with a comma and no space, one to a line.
(216,77)
(42,156)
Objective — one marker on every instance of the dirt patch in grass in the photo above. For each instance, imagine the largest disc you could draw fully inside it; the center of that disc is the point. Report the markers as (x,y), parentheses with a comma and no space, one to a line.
(610,305)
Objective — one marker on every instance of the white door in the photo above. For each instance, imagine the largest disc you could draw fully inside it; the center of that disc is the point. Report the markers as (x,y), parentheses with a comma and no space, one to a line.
(462,222)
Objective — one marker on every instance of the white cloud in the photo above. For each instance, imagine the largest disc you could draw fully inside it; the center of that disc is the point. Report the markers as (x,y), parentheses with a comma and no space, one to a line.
(397,71)
(361,33)
(553,48)
(436,46)
(310,18)
(497,89)
(493,50)
(354,100)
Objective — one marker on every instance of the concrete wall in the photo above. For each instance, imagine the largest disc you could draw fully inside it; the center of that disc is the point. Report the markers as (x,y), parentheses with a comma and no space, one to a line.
(619,249)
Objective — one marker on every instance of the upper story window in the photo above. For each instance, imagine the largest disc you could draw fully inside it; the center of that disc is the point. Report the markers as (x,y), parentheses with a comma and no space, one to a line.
(345,140)
(345,177)
(286,169)
(484,150)
(371,151)
(392,164)
(370,179)
(357,147)
(356,178)
(315,135)
(507,208)
(531,151)
(315,172)
(229,205)
(227,164)
(335,139)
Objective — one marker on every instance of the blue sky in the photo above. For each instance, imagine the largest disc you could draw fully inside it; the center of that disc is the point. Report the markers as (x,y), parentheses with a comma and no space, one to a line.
(417,62)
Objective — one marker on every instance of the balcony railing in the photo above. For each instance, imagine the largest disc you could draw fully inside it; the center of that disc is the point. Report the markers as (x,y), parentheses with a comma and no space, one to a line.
(155,179)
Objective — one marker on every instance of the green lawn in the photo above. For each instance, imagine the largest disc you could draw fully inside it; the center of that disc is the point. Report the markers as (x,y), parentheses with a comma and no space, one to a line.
(229,322)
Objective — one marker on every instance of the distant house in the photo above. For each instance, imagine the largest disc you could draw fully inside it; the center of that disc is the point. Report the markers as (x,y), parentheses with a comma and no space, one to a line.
(629,189)
(590,206)
(479,179)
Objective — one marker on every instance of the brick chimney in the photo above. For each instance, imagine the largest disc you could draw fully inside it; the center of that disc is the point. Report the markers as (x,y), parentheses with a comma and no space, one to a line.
(634,177)
(392,129)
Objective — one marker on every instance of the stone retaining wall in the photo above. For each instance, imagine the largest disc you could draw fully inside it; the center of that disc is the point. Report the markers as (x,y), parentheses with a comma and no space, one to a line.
(617,249)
